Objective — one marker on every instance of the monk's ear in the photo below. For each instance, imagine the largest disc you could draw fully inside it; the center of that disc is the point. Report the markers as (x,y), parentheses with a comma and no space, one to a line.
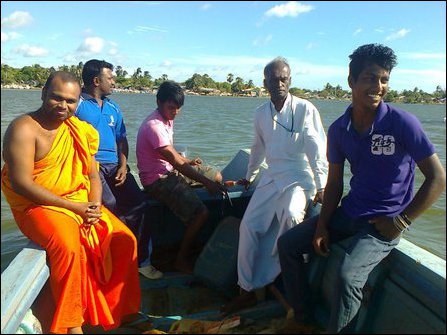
(44,92)
(350,81)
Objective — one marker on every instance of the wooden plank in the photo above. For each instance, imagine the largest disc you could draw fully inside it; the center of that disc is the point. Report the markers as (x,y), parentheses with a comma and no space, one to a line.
(22,281)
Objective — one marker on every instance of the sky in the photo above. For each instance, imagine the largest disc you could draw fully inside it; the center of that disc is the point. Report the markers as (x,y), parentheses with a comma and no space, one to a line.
(240,37)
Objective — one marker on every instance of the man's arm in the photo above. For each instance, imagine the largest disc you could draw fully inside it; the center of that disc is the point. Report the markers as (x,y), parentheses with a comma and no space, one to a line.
(257,152)
(123,153)
(431,188)
(95,194)
(19,153)
(332,195)
(315,149)
(427,194)
(180,164)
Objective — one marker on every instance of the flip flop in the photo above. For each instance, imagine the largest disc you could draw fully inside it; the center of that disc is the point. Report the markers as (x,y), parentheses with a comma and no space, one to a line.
(143,322)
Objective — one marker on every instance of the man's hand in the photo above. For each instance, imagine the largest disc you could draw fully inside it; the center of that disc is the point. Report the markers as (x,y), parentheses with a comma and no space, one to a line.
(244,182)
(319,197)
(196,161)
(89,211)
(321,241)
(121,175)
(385,226)
(215,188)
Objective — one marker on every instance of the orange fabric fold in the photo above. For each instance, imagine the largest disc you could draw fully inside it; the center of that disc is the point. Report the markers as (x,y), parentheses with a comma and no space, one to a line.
(89,281)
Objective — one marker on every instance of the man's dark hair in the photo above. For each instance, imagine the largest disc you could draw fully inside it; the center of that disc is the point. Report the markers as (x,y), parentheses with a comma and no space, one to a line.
(66,77)
(171,91)
(92,69)
(371,54)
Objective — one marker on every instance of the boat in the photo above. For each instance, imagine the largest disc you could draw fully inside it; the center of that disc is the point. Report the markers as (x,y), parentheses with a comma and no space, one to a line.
(405,293)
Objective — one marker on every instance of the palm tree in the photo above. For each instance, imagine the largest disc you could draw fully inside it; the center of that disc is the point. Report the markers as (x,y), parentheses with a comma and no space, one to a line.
(230,77)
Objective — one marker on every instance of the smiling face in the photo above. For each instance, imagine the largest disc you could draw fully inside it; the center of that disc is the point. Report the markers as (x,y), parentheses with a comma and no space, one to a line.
(370,87)
(60,100)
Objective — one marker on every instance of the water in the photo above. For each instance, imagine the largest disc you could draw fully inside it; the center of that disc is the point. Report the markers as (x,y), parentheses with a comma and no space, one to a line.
(215,128)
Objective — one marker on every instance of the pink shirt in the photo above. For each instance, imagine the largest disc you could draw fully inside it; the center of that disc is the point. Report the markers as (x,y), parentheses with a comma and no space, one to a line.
(155,132)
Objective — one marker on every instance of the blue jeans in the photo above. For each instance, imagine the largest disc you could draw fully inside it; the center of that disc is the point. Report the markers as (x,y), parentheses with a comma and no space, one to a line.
(128,203)
(366,249)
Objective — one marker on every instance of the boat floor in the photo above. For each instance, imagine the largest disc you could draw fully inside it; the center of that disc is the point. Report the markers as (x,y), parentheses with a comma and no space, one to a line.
(179,296)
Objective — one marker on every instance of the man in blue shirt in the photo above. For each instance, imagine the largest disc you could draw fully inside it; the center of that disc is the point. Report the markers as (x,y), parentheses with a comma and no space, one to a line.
(121,193)
(383,145)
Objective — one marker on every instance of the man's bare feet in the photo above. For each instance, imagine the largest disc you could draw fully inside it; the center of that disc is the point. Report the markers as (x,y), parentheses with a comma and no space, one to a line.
(244,300)
(75,330)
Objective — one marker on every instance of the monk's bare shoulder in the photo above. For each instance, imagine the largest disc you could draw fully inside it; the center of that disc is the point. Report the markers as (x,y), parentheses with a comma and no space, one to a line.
(21,130)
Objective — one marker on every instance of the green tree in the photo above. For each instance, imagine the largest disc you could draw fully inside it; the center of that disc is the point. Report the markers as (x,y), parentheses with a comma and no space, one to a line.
(238,86)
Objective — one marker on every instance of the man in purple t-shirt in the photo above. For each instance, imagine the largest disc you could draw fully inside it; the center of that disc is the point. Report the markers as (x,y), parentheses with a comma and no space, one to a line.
(166,175)
(383,145)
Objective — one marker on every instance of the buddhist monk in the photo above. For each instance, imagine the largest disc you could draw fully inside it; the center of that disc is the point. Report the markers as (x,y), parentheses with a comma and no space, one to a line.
(50,180)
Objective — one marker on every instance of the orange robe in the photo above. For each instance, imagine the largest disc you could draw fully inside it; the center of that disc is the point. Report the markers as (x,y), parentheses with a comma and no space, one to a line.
(93,271)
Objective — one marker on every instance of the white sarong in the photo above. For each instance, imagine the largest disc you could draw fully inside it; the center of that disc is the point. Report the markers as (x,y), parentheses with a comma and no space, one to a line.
(269,214)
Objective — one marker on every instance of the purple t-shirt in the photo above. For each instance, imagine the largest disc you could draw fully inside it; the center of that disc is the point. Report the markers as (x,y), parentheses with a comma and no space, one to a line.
(382,160)
(155,132)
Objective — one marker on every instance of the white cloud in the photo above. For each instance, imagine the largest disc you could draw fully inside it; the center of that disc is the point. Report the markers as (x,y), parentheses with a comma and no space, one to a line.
(166,63)
(311,45)
(10,36)
(145,29)
(91,45)
(205,6)
(55,36)
(27,50)
(262,41)
(292,8)
(357,31)
(400,34)
(17,19)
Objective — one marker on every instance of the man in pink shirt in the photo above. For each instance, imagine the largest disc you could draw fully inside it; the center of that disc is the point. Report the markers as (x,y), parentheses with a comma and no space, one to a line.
(166,175)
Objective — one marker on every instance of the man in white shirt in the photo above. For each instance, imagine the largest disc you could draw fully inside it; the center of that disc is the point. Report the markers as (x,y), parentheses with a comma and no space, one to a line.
(289,135)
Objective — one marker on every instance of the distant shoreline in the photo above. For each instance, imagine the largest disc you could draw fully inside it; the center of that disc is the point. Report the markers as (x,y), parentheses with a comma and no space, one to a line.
(191,93)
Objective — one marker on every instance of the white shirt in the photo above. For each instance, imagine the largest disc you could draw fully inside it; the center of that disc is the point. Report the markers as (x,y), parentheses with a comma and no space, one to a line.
(294,146)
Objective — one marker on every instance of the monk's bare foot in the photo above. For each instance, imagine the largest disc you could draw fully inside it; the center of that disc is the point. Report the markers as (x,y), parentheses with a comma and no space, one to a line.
(184,266)
(75,330)
(244,300)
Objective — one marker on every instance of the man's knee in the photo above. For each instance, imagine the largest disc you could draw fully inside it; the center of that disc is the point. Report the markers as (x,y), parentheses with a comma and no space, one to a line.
(66,245)
(218,177)
(202,213)
(351,275)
